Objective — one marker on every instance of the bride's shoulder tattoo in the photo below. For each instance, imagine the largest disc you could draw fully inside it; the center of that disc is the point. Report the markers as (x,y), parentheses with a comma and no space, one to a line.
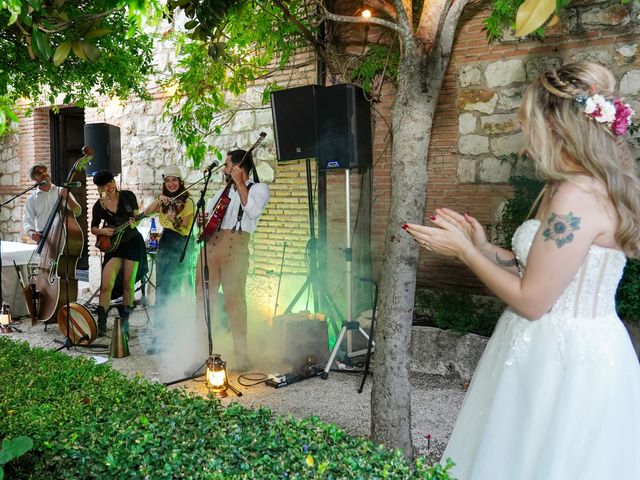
(560,228)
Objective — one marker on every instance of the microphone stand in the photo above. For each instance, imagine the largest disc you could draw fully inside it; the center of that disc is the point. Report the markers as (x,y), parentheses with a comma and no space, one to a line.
(35,185)
(200,213)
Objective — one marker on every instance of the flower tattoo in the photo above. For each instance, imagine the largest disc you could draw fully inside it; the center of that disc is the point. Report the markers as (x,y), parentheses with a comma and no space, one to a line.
(560,228)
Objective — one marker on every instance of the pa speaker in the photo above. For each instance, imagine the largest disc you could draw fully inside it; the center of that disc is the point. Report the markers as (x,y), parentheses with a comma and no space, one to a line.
(105,140)
(344,128)
(294,121)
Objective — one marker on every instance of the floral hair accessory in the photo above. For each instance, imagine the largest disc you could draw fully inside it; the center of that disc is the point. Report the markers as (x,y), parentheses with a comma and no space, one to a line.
(614,113)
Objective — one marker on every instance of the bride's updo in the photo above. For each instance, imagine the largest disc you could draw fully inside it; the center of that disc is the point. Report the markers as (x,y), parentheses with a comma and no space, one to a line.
(564,136)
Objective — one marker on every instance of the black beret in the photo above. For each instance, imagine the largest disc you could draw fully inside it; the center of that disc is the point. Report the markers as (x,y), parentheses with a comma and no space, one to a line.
(102,177)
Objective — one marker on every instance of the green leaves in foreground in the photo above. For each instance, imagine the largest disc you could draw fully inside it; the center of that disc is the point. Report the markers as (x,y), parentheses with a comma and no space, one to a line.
(84,418)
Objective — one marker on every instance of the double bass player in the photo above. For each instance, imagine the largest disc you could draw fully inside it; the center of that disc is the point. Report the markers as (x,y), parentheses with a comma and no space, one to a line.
(41,201)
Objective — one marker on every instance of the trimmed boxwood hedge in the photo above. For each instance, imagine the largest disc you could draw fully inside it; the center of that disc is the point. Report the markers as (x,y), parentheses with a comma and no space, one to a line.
(89,421)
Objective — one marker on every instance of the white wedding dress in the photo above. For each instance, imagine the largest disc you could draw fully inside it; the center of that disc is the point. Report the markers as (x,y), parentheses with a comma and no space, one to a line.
(557,398)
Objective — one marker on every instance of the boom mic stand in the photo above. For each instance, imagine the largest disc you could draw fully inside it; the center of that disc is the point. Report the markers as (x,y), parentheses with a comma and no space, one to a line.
(200,213)
(35,185)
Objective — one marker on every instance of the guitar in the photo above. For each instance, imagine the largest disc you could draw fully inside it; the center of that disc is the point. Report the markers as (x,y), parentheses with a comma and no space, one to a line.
(108,244)
(214,220)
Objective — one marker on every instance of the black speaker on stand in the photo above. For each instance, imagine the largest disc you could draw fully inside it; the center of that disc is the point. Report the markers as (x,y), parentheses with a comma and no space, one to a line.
(344,128)
(105,140)
(294,121)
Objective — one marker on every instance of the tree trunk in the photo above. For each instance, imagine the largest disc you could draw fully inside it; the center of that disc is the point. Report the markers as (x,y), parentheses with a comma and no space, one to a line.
(412,119)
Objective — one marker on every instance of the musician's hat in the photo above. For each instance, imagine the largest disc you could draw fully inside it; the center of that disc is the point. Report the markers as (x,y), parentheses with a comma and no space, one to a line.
(172,171)
(102,177)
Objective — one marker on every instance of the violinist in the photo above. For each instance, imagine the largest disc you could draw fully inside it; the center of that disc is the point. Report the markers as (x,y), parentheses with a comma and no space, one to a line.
(228,248)
(176,211)
(113,209)
(42,200)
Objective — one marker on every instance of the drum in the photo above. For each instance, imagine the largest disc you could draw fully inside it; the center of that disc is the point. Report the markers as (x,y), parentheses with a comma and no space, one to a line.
(83,328)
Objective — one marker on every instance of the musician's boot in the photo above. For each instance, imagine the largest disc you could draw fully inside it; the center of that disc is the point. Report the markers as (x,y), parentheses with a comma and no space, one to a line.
(124,317)
(102,321)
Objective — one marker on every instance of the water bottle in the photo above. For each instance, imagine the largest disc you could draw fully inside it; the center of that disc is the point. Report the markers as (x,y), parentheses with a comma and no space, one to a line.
(154,235)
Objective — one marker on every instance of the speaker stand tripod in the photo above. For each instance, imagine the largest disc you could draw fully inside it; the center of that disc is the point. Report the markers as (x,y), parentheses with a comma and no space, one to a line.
(348,325)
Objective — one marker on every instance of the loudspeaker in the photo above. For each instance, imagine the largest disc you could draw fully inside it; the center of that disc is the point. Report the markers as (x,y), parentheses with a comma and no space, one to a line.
(296,339)
(294,121)
(344,128)
(105,140)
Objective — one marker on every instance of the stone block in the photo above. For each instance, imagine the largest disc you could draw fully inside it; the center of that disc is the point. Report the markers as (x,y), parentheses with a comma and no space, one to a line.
(441,352)
(614,15)
(538,65)
(243,121)
(466,171)
(481,100)
(469,76)
(507,144)
(524,167)
(502,73)
(473,144)
(466,123)
(265,172)
(603,57)
(627,54)
(630,83)
(500,123)
(493,170)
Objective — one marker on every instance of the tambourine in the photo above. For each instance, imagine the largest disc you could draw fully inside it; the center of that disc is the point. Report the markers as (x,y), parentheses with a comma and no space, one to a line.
(83,328)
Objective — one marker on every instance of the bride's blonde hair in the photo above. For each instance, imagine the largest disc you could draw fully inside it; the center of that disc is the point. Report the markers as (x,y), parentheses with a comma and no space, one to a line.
(563,140)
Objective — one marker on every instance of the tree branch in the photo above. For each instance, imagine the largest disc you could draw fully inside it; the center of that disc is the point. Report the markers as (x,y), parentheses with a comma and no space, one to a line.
(447,29)
(404,25)
(431,19)
(350,19)
(308,34)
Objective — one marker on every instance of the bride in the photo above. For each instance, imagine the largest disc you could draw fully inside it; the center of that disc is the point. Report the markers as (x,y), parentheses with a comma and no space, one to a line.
(556,395)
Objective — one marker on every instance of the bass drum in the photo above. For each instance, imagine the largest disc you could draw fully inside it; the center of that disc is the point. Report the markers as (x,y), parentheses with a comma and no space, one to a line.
(82,326)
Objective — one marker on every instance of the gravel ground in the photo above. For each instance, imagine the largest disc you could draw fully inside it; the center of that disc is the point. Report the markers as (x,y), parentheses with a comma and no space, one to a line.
(435,400)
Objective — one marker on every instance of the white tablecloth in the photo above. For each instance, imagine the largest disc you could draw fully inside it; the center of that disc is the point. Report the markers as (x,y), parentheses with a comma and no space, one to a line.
(16,251)
(11,289)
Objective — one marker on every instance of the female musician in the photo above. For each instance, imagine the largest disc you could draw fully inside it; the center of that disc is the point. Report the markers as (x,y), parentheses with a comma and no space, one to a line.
(176,210)
(115,208)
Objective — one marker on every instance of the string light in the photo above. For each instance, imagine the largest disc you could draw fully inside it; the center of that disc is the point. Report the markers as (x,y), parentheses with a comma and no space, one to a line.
(366,13)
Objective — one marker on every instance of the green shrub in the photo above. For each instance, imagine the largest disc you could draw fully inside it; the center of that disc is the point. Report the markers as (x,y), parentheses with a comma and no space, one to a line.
(89,421)
(459,312)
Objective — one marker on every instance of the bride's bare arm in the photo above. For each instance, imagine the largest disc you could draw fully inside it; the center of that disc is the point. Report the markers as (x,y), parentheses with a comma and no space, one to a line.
(574,220)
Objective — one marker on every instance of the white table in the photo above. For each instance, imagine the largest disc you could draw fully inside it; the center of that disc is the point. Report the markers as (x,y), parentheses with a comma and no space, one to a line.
(12,293)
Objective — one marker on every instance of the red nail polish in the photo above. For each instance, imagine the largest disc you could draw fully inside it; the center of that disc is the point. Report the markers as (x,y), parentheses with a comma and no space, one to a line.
(433,218)
(405,226)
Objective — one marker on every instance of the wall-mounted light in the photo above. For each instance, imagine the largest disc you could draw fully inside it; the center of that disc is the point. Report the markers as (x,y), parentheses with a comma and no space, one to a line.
(366,13)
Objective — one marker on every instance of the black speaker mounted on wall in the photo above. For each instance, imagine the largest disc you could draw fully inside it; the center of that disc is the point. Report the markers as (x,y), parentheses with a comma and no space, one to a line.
(332,124)
(105,140)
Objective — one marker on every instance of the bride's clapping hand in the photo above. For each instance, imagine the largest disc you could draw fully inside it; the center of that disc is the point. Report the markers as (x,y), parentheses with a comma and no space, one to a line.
(445,238)
(468,225)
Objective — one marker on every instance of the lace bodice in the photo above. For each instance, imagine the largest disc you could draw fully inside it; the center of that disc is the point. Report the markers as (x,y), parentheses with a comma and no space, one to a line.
(592,291)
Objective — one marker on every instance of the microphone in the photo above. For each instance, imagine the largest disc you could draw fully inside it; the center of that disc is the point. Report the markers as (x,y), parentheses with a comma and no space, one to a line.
(213,165)
(41,182)
(71,185)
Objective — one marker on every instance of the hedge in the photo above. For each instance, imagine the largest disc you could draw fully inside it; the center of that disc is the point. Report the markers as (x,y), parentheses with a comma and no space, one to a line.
(90,421)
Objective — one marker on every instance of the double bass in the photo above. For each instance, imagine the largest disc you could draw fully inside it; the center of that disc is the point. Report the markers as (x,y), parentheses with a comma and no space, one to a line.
(60,247)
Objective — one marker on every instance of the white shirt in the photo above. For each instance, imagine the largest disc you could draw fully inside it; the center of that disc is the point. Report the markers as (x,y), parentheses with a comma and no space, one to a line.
(256,202)
(38,207)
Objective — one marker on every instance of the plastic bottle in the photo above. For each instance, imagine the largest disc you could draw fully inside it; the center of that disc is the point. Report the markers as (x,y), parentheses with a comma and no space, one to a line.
(154,235)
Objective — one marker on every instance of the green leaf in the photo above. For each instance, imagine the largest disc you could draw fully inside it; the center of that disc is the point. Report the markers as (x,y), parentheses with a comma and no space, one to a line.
(98,32)
(62,52)
(532,14)
(91,51)
(78,49)
(40,43)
